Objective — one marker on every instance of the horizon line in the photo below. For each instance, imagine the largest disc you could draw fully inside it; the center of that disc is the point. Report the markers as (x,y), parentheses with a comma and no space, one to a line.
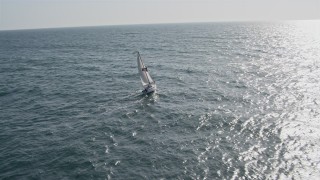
(159,23)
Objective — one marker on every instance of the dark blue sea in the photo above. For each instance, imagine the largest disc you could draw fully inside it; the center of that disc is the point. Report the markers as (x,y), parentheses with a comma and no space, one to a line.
(236,100)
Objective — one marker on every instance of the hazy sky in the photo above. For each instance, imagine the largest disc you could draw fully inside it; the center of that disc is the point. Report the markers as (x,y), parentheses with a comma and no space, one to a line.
(25,14)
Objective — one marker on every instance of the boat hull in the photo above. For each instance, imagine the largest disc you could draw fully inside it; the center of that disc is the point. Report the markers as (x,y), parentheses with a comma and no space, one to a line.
(150,89)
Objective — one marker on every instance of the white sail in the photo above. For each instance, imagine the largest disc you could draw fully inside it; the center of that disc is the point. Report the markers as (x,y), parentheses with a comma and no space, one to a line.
(144,74)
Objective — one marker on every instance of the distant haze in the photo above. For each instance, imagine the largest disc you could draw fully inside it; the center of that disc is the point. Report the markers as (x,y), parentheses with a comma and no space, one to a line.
(29,14)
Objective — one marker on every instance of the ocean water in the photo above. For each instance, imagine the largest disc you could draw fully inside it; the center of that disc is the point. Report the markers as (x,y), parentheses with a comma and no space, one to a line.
(234,101)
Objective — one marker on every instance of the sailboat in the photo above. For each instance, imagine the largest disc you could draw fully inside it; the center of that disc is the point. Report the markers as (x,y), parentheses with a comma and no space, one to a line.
(148,83)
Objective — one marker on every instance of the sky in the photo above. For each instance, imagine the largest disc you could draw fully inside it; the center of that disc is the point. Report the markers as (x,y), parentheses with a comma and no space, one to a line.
(32,14)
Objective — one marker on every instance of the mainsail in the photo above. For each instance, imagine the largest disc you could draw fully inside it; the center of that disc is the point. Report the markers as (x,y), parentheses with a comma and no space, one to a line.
(144,74)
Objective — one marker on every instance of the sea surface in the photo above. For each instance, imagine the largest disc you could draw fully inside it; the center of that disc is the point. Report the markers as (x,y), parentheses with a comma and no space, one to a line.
(236,100)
